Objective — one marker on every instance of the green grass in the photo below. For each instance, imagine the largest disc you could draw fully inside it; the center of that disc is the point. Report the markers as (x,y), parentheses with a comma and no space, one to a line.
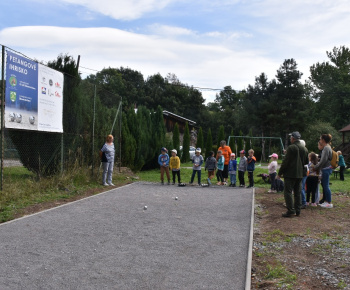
(22,188)
(280,273)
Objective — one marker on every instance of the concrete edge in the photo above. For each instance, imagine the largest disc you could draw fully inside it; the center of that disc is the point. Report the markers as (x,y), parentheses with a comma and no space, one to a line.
(248,277)
(66,204)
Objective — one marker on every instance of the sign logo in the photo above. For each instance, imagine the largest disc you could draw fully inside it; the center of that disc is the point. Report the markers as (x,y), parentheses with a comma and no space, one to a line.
(57,85)
(13,81)
(57,94)
(13,96)
(43,90)
(50,82)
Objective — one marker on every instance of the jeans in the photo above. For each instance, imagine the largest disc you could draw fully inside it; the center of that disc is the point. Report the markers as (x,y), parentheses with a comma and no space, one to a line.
(176,173)
(292,185)
(199,172)
(326,172)
(273,181)
(303,182)
(233,178)
(107,172)
(251,178)
(341,172)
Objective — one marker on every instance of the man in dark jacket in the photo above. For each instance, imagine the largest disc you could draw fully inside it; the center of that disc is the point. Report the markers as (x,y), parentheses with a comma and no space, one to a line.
(292,169)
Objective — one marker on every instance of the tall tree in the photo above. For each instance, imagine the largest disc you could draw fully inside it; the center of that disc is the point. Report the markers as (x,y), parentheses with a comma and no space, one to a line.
(176,139)
(200,139)
(331,81)
(221,135)
(186,145)
(209,144)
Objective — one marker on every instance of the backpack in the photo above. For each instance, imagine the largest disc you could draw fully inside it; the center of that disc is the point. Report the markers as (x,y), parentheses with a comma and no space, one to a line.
(335,159)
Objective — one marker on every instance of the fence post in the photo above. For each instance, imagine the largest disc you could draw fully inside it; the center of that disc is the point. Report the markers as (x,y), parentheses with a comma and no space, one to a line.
(2,114)
(93,136)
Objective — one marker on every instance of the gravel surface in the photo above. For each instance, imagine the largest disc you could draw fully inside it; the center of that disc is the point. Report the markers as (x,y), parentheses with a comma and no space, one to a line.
(111,241)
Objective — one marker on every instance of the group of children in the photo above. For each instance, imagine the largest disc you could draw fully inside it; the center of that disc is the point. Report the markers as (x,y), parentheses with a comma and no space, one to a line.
(214,166)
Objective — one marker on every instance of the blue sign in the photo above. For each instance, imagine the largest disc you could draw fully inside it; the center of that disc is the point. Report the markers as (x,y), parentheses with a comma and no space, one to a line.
(21,83)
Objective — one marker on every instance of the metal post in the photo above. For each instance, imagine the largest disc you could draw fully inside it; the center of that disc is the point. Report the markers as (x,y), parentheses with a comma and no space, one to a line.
(120,135)
(2,114)
(93,135)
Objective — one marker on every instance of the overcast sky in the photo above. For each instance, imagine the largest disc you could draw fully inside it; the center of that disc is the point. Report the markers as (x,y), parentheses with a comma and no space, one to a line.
(208,44)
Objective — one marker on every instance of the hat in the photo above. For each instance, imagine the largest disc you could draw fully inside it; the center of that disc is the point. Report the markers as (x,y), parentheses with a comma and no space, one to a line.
(164,149)
(295,135)
(174,150)
(198,150)
(274,155)
(242,152)
(233,154)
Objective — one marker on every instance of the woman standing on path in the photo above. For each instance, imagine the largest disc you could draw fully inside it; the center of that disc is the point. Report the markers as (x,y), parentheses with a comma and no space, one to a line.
(325,166)
(107,159)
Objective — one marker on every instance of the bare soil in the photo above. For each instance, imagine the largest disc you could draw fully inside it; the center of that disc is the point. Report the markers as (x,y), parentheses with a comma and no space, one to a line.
(311,251)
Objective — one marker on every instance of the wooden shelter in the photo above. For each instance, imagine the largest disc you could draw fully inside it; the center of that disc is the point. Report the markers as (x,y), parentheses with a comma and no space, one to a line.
(344,131)
(170,119)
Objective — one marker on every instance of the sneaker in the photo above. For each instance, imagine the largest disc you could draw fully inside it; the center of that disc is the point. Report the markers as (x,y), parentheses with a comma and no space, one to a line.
(326,205)
(270,191)
(303,206)
(218,183)
(313,204)
(233,185)
(173,183)
(288,214)
(209,182)
(225,183)
(105,184)
(111,184)
(162,182)
(307,203)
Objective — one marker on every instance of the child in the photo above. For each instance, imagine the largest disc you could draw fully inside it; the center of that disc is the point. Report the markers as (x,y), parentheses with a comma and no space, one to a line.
(272,167)
(163,160)
(197,161)
(341,165)
(210,164)
(232,168)
(312,180)
(221,163)
(251,167)
(242,167)
(174,166)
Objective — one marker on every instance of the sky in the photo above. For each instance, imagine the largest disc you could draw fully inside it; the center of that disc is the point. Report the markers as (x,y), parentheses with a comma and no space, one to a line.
(206,44)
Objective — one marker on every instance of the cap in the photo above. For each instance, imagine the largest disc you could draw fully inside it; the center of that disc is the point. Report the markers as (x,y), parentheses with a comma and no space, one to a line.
(274,155)
(174,150)
(242,152)
(198,150)
(164,149)
(295,135)
(233,154)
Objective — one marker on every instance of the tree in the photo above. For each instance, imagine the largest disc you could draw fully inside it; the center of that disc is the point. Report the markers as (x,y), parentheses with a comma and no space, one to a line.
(221,135)
(200,139)
(331,81)
(176,139)
(209,144)
(186,145)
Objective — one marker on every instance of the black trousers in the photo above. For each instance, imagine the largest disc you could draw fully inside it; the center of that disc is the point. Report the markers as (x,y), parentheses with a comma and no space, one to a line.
(311,184)
(341,172)
(241,177)
(251,178)
(219,175)
(178,176)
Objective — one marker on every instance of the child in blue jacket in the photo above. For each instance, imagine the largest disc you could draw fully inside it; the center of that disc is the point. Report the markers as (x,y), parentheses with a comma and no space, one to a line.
(232,169)
(163,161)
(251,167)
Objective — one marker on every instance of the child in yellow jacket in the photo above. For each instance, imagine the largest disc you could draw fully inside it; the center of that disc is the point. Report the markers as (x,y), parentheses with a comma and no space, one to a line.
(174,166)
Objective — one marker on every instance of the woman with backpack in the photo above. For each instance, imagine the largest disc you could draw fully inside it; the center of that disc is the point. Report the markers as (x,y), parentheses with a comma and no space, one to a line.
(325,167)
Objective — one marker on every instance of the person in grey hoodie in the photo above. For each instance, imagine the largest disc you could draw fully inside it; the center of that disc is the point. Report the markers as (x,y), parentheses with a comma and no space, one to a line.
(242,168)
(210,165)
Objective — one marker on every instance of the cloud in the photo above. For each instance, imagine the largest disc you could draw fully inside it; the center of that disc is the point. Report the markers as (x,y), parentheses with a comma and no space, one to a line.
(120,9)
(200,65)
(169,31)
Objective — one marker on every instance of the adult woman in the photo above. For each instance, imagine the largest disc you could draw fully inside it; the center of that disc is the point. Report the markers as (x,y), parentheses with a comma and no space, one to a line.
(226,152)
(325,166)
(107,159)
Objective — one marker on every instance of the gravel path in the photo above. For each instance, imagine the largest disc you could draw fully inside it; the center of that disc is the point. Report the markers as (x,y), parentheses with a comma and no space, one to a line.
(110,241)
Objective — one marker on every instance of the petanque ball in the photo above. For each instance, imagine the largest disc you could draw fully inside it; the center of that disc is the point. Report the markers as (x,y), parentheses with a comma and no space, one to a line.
(18,118)
(31,120)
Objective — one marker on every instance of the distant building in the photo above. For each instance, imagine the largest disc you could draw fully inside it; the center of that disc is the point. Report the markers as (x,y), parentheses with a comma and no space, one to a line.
(170,119)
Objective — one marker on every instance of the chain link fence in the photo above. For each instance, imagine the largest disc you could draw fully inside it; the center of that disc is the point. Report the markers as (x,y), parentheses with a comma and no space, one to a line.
(86,123)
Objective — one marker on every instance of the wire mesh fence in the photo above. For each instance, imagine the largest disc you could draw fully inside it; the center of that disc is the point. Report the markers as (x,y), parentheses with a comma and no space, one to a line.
(86,123)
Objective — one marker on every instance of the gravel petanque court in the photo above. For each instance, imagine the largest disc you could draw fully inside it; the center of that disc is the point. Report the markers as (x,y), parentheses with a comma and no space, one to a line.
(110,241)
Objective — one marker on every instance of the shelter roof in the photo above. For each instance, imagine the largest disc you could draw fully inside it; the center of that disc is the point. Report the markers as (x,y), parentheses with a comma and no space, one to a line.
(177,117)
(345,129)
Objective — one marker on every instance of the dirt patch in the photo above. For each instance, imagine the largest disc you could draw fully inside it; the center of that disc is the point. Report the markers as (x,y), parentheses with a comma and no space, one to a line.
(311,251)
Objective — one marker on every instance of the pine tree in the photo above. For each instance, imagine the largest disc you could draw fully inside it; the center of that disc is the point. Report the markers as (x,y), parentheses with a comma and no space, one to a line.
(186,145)
(232,142)
(200,139)
(209,144)
(240,141)
(221,135)
(176,139)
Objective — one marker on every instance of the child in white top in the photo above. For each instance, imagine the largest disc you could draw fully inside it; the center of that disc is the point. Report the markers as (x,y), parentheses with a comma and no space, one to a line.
(272,167)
